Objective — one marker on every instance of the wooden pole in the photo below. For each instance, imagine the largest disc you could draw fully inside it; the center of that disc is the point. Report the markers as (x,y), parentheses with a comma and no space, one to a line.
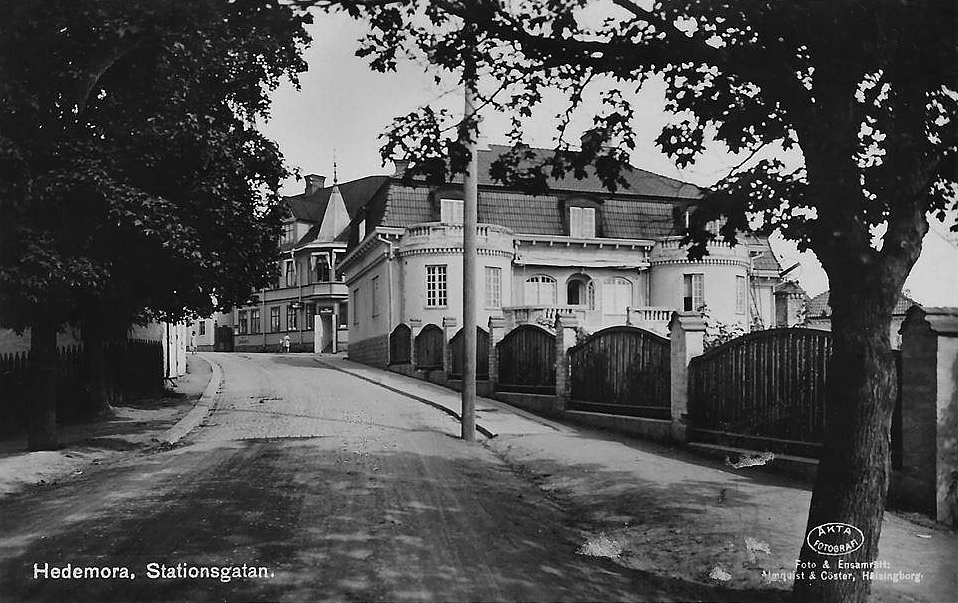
(469,256)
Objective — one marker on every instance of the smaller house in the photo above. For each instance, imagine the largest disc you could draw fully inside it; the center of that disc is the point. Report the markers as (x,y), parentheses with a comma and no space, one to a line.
(819,315)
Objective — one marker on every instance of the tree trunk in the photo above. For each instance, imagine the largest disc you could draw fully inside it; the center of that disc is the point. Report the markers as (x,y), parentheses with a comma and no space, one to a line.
(42,410)
(854,470)
(95,379)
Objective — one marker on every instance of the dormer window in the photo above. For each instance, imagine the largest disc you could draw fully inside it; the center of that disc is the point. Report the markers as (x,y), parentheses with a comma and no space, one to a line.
(451,211)
(289,233)
(582,222)
(362,229)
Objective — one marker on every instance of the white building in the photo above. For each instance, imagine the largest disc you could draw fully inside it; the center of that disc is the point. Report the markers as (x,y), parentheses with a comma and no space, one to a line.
(608,258)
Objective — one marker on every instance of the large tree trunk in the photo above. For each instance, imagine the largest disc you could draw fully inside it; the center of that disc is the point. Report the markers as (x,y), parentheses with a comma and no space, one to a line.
(854,470)
(95,378)
(42,404)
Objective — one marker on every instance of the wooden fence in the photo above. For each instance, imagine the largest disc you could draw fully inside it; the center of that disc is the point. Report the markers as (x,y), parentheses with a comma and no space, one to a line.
(458,352)
(430,345)
(764,390)
(399,344)
(622,370)
(527,358)
(132,369)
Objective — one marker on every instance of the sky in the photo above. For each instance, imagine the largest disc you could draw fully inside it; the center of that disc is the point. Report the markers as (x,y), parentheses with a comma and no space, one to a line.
(343,106)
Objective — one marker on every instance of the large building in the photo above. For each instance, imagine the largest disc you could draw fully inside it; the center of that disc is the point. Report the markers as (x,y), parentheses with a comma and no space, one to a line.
(309,301)
(608,258)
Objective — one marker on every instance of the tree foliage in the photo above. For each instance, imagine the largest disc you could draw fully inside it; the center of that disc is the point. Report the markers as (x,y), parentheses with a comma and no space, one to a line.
(132,176)
(864,90)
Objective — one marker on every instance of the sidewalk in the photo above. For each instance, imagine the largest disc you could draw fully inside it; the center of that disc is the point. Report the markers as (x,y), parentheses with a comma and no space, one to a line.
(672,513)
(136,424)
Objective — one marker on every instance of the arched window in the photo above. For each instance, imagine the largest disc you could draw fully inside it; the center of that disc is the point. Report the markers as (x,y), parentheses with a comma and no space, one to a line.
(616,295)
(580,291)
(540,290)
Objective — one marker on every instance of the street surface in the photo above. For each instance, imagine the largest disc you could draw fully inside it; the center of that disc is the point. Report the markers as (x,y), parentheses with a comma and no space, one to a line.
(340,489)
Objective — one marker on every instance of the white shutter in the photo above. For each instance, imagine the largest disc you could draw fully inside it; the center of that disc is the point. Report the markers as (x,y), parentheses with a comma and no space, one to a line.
(575,222)
(588,226)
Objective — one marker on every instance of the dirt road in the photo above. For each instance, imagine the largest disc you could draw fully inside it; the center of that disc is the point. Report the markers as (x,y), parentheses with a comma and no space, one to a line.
(323,487)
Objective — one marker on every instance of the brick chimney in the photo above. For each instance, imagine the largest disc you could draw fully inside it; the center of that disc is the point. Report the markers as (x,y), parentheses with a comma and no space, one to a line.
(401,166)
(314,182)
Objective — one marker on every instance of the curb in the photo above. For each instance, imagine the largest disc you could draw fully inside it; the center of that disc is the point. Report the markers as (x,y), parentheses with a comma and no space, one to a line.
(395,390)
(199,412)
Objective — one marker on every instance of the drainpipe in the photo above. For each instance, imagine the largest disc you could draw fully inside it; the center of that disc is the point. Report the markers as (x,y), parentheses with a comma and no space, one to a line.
(390,254)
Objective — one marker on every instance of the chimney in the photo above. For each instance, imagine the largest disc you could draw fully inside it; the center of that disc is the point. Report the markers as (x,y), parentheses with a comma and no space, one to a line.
(314,182)
(401,165)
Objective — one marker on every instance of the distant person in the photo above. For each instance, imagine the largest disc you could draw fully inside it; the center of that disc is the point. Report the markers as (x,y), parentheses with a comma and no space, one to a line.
(193,343)
(286,344)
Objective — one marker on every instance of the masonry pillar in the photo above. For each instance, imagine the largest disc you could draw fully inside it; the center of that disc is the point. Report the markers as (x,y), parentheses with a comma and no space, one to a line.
(497,330)
(929,412)
(415,326)
(566,326)
(687,335)
(449,324)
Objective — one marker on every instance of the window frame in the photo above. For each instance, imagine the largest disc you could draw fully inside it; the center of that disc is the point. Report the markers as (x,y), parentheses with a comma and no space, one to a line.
(254,322)
(741,294)
(690,282)
(292,313)
(241,322)
(437,286)
(374,311)
(539,280)
(493,283)
(582,222)
(454,209)
(274,319)
(613,284)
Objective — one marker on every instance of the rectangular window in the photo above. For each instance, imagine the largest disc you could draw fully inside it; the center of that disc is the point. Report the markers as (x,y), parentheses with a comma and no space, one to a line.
(375,297)
(356,306)
(292,318)
(322,268)
(362,229)
(202,327)
(274,319)
(436,286)
(243,325)
(582,222)
(451,211)
(493,287)
(343,314)
(289,233)
(290,272)
(310,316)
(740,294)
(254,326)
(694,297)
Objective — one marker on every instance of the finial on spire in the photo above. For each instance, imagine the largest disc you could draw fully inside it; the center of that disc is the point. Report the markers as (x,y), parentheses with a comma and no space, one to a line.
(335,175)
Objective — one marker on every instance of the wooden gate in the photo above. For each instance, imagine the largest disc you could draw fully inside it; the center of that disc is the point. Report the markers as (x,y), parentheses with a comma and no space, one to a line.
(622,370)
(764,390)
(429,347)
(527,359)
(399,344)
(458,351)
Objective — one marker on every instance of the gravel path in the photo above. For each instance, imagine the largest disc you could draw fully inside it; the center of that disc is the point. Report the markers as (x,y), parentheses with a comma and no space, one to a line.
(339,489)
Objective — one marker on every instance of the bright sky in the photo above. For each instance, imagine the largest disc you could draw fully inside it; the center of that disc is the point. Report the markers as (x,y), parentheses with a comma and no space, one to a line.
(343,106)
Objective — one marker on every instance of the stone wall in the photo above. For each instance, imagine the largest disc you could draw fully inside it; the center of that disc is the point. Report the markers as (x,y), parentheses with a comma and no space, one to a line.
(373,351)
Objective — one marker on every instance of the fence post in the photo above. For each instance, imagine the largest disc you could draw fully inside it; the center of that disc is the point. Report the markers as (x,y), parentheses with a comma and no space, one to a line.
(929,412)
(567,326)
(497,330)
(415,326)
(449,330)
(687,335)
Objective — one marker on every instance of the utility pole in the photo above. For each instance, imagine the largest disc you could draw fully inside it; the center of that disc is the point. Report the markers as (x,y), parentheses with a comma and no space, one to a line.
(469,256)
